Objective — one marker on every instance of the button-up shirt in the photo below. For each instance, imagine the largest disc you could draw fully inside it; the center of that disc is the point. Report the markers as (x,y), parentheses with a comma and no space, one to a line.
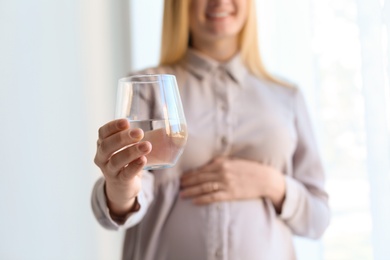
(229,112)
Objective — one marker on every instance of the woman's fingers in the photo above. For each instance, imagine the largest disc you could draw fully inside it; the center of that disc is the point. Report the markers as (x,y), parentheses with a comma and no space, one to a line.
(134,168)
(214,171)
(128,157)
(104,132)
(201,189)
(208,184)
(196,178)
(119,140)
(113,127)
(211,198)
(115,142)
(206,193)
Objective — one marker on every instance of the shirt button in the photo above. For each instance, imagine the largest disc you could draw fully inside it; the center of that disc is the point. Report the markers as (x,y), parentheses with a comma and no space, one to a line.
(224,140)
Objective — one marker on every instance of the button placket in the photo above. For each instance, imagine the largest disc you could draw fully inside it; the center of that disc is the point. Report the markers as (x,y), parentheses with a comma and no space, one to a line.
(215,238)
(218,253)
(219,245)
(221,111)
(217,210)
(224,140)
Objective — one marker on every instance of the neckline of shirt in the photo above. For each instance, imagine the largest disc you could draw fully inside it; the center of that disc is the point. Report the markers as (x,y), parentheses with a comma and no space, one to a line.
(202,65)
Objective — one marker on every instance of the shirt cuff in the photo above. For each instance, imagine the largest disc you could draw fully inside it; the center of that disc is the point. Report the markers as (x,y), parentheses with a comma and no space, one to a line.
(106,219)
(292,199)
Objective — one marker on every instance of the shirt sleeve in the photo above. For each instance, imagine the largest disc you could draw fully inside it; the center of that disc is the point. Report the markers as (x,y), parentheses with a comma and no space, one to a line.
(305,209)
(102,212)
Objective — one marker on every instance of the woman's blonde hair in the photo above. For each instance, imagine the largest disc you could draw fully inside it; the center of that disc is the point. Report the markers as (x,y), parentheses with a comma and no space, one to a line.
(176,33)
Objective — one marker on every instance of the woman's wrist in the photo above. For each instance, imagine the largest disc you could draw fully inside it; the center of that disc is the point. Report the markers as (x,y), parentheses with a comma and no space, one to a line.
(276,189)
(121,209)
(120,215)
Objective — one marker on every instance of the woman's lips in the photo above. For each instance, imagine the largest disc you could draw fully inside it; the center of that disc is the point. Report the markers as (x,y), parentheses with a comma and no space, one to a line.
(218,14)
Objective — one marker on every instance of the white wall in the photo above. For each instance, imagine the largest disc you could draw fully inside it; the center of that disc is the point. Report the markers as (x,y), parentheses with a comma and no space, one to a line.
(145,27)
(59,63)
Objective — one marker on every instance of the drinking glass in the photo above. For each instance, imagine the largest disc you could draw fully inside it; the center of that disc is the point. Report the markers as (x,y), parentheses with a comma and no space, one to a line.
(152,103)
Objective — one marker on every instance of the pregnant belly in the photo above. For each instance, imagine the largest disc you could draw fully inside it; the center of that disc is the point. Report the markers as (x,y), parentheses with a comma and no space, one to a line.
(240,229)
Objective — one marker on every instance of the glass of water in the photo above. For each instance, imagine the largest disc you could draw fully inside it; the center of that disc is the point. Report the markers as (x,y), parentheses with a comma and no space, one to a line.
(152,103)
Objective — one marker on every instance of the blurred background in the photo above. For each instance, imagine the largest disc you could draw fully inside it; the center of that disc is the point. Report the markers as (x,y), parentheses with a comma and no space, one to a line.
(59,66)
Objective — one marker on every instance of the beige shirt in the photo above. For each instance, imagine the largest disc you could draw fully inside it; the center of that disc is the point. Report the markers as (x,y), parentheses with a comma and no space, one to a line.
(229,112)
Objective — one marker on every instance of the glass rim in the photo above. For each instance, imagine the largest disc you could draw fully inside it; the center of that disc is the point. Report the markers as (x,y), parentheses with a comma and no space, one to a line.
(148,78)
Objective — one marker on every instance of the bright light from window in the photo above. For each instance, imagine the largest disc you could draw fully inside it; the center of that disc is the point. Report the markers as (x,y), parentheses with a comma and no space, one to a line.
(338,60)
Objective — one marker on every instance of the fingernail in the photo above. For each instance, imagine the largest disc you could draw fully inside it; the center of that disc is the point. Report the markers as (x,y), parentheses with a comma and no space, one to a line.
(135,133)
(144,147)
(122,123)
(139,161)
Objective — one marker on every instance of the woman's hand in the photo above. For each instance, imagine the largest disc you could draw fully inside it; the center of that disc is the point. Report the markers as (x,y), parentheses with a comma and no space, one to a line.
(227,179)
(121,157)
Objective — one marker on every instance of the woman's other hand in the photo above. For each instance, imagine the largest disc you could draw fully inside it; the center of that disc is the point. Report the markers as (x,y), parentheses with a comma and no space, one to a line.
(226,179)
(121,157)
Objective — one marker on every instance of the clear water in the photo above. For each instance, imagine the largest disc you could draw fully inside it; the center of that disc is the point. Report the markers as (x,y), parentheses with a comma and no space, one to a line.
(167,138)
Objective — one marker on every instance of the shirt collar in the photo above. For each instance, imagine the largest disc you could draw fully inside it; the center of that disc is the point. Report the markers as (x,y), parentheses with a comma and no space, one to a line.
(201,65)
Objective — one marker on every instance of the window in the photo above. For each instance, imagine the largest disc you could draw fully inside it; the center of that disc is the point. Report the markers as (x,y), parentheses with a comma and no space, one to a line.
(337,52)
